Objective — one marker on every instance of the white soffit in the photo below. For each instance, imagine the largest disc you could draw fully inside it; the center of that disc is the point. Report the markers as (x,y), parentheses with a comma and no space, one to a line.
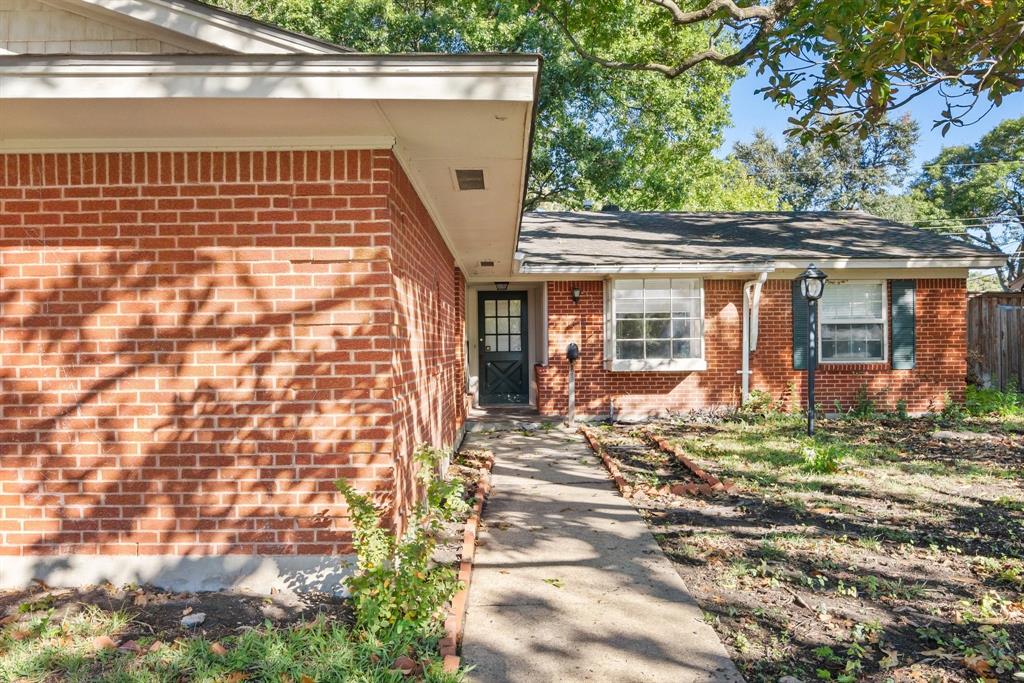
(438,113)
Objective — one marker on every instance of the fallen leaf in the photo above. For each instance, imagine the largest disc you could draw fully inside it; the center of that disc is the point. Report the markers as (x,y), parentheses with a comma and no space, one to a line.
(156,646)
(187,611)
(129,646)
(406,665)
(141,600)
(19,634)
(103,643)
(977,664)
(285,678)
(218,649)
(9,619)
(235,677)
(306,679)
(890,660)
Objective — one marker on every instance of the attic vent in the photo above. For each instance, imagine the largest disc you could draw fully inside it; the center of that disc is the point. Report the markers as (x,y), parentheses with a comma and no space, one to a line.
(487,264)
(470,178)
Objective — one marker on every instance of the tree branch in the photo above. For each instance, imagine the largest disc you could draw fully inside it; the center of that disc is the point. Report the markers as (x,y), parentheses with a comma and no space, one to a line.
(760,12)
(765,16)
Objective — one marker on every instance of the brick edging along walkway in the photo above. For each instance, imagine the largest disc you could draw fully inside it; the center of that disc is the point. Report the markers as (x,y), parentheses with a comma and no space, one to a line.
(455,622)
(711,484)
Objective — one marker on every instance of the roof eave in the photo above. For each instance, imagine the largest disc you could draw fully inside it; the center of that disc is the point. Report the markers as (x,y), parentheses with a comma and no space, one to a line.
(698,267)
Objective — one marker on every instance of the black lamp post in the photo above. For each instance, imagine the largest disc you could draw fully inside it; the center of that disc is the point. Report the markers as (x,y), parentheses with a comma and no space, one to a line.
(812,285)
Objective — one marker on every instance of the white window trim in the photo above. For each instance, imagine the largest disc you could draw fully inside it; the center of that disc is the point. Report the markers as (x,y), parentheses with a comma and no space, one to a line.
(636,365)
(859,321)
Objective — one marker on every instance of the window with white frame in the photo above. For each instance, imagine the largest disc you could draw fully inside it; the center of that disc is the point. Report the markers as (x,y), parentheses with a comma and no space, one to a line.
(853,322)
(657,324)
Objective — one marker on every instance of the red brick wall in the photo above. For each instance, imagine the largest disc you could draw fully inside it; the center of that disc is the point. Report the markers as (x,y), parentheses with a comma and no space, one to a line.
(426,364)
(194,346)
(941,356)
(637,392)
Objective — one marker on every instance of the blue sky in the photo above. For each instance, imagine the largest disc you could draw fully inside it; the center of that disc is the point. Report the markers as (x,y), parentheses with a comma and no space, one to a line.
(751,111)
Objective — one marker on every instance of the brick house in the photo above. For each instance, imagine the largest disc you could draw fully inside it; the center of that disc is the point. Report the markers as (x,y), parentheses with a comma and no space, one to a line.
(237,264)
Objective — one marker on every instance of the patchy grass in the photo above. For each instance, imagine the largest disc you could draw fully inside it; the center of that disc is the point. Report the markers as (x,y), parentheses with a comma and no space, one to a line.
(134,634)
(886,548)
(88,645)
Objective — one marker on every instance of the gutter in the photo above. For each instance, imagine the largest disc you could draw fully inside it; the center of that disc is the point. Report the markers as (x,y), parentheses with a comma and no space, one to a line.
(751,314)
(681,268)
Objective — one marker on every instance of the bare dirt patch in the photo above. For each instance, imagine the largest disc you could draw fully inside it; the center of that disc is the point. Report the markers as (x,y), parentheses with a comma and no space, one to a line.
(902,564)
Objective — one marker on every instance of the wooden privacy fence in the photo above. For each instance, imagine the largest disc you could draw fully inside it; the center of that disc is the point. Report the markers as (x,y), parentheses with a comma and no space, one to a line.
(995,330)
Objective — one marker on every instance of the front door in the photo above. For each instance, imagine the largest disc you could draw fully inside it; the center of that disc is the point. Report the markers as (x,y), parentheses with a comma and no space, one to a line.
(503,360)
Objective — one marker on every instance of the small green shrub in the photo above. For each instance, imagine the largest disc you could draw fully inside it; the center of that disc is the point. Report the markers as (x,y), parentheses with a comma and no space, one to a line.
(823,457)
(759,403)
(901,410)
(864,407)
(396,591)
(952,412)
(983,402)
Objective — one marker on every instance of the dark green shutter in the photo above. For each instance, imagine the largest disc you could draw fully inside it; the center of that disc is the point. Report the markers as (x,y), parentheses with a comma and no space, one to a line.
(799,328)
(903,355)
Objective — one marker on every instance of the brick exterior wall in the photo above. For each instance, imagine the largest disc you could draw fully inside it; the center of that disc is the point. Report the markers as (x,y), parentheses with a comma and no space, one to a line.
(194,346)
(941,367)
(941,354)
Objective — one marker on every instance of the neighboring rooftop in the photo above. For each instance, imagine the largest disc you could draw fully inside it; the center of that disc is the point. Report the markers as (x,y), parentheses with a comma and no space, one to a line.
(594,240)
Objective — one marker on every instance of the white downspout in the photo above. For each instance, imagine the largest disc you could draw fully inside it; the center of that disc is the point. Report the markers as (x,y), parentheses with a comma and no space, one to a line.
(751,321)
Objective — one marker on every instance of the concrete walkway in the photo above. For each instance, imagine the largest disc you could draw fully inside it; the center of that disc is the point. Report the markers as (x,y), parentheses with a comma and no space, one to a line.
(569,584)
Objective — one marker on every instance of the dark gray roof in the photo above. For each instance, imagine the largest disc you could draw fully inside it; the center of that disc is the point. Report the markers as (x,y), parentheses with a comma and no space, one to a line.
(562,238)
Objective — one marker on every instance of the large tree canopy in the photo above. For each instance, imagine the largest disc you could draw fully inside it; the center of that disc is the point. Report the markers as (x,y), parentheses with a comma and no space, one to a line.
(976,192)
(855,173)
(842,64)
(627,138)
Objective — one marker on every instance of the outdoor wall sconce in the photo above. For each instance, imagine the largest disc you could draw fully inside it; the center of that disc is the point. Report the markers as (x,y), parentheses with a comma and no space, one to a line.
(501,286)
(576,295)
(812,286)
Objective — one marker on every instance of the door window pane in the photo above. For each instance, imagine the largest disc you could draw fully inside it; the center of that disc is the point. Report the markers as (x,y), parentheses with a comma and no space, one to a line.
(502,342)
(489,307)
(515,343)
(515,307)
(490,326)
(502,325)
(502,307)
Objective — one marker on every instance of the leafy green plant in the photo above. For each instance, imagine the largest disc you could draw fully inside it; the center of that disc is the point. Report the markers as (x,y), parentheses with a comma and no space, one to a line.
(901,410)
(952,412)
(396,591)
(863,407)
(823,457)
(759,403)
(982,402)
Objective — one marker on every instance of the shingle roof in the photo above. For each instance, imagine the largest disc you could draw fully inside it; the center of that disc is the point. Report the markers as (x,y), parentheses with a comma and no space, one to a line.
(560,238)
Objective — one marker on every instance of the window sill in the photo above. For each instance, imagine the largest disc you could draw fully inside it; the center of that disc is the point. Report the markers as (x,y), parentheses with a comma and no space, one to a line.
(686,365)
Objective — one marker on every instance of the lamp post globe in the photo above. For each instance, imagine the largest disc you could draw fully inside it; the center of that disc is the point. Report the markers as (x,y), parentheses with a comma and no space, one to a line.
(812,286)
(812,283)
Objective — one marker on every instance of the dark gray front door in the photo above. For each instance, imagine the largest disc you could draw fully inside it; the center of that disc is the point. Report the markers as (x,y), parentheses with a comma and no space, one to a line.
(504,374)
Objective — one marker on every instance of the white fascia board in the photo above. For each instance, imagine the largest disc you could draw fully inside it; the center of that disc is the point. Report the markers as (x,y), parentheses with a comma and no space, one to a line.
(356,77)
(673,268)
(957,262)
(210,25)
